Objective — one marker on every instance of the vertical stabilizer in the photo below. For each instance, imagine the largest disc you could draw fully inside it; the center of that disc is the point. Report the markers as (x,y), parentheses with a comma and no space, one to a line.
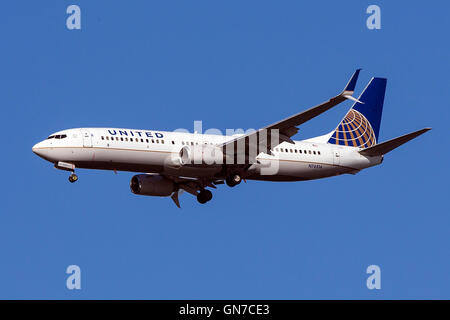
(361,125)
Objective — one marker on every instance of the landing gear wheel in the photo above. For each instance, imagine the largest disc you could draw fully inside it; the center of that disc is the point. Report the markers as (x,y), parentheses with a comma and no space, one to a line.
(204,196)
(73,178)
(233,180)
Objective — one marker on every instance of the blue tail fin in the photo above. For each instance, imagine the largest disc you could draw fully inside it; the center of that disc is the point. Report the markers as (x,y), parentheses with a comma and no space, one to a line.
(361,125)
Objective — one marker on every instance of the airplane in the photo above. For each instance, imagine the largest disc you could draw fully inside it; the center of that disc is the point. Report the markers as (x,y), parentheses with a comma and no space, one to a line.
(170,163)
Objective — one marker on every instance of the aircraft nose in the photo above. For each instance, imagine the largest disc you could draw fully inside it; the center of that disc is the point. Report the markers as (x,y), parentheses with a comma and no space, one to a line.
(39,149)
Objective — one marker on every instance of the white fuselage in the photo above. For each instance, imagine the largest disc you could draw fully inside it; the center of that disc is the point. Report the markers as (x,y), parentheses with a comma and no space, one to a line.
(153,152)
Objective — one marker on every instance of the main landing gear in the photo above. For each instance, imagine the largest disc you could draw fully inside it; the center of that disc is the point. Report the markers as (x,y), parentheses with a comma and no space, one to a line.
(204,196)
(233,180)
(73,177)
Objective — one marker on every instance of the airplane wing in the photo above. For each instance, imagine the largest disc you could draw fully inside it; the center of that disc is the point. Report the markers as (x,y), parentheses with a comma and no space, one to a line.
(264,139)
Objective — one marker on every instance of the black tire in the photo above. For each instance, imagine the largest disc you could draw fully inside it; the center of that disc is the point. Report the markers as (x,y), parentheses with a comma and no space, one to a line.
(204,196)
(200,198)
(233,180)
(208,195)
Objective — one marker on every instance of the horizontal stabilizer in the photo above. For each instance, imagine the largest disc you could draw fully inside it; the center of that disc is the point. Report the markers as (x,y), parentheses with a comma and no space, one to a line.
(387,146)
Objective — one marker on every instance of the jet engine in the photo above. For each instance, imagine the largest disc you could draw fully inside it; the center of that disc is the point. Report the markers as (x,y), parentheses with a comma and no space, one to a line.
(152,185)
(200,155)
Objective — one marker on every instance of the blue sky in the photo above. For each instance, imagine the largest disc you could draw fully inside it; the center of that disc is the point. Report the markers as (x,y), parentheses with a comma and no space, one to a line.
(234,64)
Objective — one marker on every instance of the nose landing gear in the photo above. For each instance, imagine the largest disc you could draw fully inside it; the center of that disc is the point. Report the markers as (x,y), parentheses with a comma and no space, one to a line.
(73,177)
(66,166)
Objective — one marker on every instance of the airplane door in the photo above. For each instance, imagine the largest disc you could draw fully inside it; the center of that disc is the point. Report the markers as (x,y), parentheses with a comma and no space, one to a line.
(87,138)
(336,157)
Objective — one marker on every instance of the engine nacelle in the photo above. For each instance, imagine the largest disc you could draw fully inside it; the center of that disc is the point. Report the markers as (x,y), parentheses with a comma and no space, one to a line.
(152,185)
(200,155)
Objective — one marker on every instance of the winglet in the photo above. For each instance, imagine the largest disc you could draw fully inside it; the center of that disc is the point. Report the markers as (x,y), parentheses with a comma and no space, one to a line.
(350,87)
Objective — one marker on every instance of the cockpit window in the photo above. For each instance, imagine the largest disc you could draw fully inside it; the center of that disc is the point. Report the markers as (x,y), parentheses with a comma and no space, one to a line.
(58,136)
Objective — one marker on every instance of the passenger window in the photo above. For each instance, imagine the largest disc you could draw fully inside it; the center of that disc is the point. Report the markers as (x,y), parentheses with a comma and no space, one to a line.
(192,143)
(295,150)
(309,151)
(121,139)
(314,152)
(126,139)
(117,138)
(142,140)
(103,138)
(146,140)
(173,142)
(318,152)
(157,141)
(291,150)
(162,141)
(182,142)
